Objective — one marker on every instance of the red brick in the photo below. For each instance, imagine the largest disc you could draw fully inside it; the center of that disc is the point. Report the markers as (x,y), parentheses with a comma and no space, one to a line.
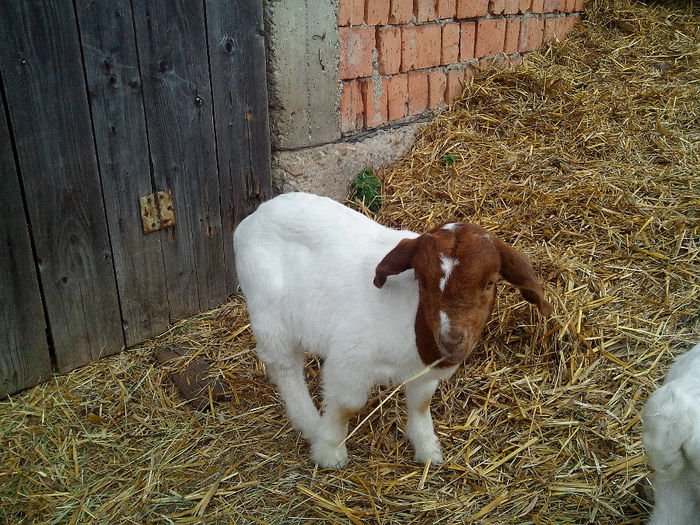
(375,102)
(570,6)
(446,8)
(511,7)
(346,109)
(343,13)
(558,27)
(417,92)
(548,32)
(455,84)
(496,7)
(516,61)
(485,63)
(512,36)
(424,9)
(400,12)
(389,49)
(356,46)
(420,47)
(490,37)
(437,83)
(469,71)
(554,6)
(377,12)
(565,25)
(351,107)
(351,12)
(466,40)
(472,8)
(579,5)
(450,43)
(531,32)
(524,6)
(537,6)
(397,89)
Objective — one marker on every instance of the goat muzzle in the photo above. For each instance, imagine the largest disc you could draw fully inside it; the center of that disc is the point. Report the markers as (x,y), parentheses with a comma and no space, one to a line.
(454,351)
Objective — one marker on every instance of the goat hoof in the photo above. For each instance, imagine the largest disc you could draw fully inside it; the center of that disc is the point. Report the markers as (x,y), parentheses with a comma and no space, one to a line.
(433,454)
(329,456)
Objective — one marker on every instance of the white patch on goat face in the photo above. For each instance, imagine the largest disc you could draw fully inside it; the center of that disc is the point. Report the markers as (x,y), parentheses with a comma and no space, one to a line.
(487,236)
(447,264)
(444,325)
(451,226)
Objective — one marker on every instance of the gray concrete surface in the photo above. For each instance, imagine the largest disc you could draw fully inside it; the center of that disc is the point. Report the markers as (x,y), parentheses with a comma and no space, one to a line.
(302,63)
(328,169)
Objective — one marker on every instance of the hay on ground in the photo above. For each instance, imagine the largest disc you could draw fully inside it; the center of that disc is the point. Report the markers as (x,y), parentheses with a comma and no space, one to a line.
(586,158)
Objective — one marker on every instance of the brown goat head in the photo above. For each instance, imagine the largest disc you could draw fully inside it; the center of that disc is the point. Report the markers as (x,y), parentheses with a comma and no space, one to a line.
(456,266)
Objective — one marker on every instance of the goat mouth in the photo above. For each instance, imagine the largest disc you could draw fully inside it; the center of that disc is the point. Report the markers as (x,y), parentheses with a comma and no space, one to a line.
(457,353)
(456,358)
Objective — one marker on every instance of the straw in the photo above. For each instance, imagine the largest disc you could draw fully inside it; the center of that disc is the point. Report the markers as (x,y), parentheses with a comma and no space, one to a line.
(586,159)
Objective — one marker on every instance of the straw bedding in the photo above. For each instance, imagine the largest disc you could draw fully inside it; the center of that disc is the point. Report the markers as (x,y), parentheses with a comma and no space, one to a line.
(586,158)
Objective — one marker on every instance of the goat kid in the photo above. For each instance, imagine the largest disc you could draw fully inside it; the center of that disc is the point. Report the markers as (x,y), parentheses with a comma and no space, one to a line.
(671,439)
(377,304)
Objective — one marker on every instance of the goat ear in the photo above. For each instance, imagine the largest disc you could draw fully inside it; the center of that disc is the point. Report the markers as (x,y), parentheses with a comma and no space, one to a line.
(397,260)
(517,270)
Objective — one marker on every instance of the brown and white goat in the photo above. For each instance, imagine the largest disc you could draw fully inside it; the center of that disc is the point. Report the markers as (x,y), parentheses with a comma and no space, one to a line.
(377,304)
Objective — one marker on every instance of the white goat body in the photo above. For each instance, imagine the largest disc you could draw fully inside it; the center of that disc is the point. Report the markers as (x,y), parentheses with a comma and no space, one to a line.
(672,441)
(314,274)
(306,266)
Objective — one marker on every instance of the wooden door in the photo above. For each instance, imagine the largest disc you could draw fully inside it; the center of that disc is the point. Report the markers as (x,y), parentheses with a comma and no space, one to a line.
(107,102)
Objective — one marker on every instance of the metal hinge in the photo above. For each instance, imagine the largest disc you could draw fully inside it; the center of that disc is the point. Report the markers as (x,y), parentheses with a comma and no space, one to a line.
(157,211)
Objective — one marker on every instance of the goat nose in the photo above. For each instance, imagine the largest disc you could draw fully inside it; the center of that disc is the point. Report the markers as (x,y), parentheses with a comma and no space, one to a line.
(451,344)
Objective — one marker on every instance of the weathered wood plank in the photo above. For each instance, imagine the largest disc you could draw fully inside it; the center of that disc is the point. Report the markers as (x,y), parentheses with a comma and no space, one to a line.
(237,56)
(114,83)
(43,78)
(24,352)
(172,51)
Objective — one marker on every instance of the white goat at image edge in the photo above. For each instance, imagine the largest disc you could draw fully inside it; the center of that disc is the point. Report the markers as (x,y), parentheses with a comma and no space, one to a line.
(672,441)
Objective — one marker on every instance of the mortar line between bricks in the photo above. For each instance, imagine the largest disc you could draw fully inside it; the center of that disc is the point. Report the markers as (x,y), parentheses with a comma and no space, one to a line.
(443,21)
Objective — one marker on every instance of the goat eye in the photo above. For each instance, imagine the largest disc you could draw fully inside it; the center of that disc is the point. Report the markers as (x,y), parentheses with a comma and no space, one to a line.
(489,285)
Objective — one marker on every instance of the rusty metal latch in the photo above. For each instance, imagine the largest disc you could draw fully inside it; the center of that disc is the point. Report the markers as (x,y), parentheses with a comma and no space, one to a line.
(157,211)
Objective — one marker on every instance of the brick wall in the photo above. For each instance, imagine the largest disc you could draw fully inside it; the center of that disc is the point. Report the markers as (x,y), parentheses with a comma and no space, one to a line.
(400,58)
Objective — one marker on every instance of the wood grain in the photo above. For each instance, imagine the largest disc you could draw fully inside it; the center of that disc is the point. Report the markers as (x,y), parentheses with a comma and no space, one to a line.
(24,352)
(237,56)
(177,98)
(44,84)
(118,119)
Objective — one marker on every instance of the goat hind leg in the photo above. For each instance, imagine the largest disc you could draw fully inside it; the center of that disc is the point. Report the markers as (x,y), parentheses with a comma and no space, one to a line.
(285,368)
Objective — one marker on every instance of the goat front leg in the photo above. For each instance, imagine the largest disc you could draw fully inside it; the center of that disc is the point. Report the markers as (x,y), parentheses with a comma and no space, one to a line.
(419,424)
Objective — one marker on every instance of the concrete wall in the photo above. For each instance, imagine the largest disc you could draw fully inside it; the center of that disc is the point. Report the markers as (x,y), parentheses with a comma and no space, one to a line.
(303,83)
